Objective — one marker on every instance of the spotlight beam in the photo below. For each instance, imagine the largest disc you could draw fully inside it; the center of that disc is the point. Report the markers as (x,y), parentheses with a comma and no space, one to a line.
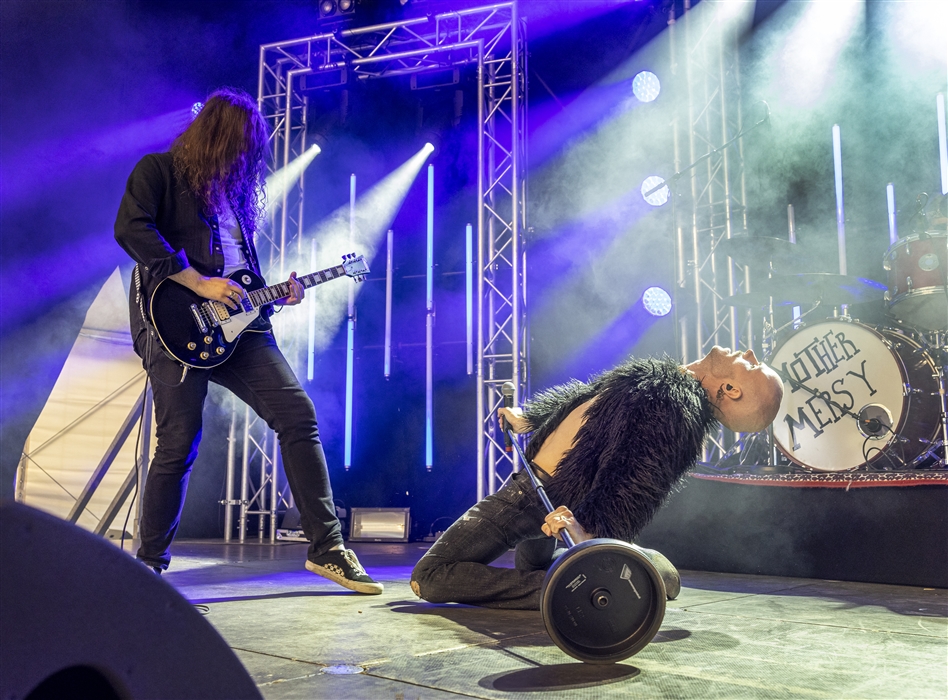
(362,229)
(278,182)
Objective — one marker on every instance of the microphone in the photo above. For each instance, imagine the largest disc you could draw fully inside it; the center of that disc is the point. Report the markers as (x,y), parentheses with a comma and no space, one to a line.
(507,389)
(874,421)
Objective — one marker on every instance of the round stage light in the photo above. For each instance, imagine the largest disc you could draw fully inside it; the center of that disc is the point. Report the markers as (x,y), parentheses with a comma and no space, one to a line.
(657,301)
(196,109)
(646,86)
(658,197)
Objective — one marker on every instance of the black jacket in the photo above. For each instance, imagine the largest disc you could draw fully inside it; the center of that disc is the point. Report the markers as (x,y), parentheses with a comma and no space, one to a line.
(643,432)
(165,228)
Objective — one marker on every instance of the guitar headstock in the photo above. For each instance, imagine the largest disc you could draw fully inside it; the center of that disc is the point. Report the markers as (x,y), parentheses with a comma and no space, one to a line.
(356,267)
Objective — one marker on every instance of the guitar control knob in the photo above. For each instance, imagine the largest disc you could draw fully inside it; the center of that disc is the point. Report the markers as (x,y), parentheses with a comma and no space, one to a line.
(219,350)
(208,340)
(205,355)
(192,346)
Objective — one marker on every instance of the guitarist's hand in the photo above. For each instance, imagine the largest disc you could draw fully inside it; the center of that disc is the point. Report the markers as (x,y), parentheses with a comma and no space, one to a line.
(296,292)
(219,289)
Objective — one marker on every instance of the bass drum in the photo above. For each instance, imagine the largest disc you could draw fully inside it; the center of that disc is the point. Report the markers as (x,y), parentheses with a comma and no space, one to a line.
(879,374)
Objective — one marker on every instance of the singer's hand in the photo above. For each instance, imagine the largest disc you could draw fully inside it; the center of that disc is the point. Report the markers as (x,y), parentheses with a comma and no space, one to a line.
(513,417)
(563,519)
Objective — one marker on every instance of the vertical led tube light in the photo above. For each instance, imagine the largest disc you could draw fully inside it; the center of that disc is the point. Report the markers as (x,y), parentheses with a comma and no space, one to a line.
(469,273)
(791,224)
(840,211)
(942,141)
(389,267)
(350,335)
(893,223)
(311,341)
(429,337)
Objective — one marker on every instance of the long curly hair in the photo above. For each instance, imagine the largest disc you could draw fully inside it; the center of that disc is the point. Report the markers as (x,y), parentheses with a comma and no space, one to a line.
(222,155)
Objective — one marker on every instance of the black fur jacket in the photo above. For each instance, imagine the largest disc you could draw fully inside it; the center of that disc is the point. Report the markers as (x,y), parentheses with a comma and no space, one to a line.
(643,432)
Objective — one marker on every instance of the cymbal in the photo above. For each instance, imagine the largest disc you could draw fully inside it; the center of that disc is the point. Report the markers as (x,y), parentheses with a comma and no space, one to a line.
(759,250)
(807,289)
(756,300)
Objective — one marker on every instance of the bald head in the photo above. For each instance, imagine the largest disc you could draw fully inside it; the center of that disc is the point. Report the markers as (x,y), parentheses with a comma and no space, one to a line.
(745,393)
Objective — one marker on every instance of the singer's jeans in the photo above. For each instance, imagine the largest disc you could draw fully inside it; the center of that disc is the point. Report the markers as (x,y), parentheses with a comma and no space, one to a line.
(259,375)
(456,568)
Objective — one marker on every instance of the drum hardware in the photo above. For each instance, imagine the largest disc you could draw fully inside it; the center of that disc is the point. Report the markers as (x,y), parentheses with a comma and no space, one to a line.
(761,251)
(937,342)
(810,289)
(826,288)
(602,600)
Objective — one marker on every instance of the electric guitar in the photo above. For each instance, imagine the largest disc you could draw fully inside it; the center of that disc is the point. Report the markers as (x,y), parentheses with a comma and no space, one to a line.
(201,333)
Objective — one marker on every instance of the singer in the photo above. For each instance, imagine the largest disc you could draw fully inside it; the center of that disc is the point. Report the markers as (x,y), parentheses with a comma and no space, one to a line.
(610,450)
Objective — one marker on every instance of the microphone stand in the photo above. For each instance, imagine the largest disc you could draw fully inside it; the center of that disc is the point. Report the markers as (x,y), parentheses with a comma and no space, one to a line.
(714,151)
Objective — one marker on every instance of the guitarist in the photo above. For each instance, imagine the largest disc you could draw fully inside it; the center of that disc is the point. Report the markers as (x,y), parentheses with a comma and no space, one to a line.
(189,215)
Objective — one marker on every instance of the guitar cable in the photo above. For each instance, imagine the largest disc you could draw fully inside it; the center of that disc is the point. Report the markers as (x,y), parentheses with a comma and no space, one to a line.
(138,443)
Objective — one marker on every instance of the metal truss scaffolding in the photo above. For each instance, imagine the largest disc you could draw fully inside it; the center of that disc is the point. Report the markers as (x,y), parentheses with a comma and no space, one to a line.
(492,38)
(711,199)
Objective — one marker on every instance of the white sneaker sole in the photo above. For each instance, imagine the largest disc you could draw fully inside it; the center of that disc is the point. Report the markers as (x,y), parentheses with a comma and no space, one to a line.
(357,586)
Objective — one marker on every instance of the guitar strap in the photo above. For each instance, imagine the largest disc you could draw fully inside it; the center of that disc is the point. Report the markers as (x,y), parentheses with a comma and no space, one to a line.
(149,327)
(262,323)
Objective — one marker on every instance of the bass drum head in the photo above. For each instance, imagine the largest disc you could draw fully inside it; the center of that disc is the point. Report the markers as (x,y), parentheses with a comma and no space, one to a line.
(856,368)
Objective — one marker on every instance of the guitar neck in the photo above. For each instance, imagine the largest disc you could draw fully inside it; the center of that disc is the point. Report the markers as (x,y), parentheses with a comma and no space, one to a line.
(275,292)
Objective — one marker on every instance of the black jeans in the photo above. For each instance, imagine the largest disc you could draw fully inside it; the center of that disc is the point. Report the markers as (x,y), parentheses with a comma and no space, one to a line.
(258,374)
(455,569)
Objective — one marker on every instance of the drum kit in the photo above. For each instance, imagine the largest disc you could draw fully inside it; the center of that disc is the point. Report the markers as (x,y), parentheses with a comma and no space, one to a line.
(856,396)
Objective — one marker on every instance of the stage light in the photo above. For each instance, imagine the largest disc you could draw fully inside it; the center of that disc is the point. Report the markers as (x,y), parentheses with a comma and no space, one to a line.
(646,86)
(334,9)
(659,196)
(196,109)
(429,327)
(942,141)
(657,301)
(429,147)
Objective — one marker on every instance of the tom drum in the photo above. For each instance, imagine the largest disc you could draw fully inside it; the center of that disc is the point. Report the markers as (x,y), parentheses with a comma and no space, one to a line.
(918,281)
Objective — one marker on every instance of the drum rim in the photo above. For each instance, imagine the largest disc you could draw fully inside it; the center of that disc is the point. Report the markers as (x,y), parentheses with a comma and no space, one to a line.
(914,238)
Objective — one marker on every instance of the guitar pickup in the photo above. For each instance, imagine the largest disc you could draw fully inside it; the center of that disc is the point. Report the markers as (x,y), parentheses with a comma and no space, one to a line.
(219,313)
(196,313)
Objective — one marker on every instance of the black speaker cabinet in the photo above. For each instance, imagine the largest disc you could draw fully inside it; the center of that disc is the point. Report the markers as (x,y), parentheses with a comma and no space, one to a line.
(81,619)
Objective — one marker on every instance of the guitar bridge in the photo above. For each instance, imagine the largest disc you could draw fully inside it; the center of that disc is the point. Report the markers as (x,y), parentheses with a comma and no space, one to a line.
(196,313)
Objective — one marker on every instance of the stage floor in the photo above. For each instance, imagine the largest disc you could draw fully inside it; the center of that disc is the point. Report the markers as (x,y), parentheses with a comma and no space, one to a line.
(726,636)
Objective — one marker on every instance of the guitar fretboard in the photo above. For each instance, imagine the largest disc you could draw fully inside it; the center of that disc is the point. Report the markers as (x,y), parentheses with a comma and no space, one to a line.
(275,292)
